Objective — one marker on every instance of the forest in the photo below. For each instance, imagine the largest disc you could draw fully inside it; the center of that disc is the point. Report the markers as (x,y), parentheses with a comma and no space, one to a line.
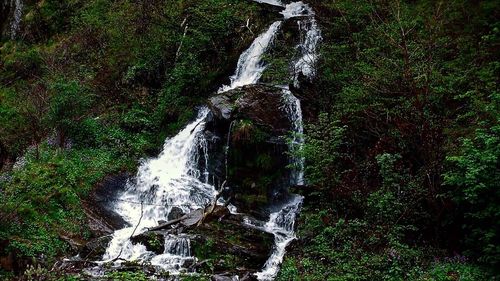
(379,152)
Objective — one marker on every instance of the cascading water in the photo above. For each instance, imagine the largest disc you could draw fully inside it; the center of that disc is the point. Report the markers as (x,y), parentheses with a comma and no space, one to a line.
(16,19)
(310,37)
(281,222)
(294,112)
(170,180)
(173,179)
(177,252)
(250,66)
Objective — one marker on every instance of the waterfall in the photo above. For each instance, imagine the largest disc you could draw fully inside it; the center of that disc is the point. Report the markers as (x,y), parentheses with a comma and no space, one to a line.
(177,252)
(16,19)
(310,37)
(281,223)
(294,111)
(174,179)
(170,180)
(250,66)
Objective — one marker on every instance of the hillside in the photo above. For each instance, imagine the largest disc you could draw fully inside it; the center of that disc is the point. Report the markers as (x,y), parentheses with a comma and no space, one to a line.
(243,140)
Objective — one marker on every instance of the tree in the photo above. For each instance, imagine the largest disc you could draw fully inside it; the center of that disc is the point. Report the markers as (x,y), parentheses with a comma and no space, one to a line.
(69,104)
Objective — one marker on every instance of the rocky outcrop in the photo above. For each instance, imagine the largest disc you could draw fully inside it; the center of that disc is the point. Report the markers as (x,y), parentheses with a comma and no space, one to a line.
(102,219)
(253,123)
(95,249)
(153,240)
(230,245)
(262,104)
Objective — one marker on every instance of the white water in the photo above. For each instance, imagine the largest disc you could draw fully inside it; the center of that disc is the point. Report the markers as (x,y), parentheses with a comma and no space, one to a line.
(170,180)
(271,2)
(297,9)
(250,66)
(281,224)
(173,179)
(16,19)
(310,37)
(294,112)
(177,252)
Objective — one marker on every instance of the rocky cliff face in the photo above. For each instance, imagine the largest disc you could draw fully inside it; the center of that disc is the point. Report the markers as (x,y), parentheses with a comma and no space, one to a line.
(254,124)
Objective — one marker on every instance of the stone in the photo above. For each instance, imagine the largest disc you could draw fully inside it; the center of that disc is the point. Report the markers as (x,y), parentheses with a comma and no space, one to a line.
(154,241)
(95,249)
(262,104)
(175,213)
(231,245)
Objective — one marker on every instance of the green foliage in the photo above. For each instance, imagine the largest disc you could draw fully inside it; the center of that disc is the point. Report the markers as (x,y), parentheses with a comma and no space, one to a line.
(402,161)
(323,150)
(474,174)
(68,105)
(42,200)
(126,276)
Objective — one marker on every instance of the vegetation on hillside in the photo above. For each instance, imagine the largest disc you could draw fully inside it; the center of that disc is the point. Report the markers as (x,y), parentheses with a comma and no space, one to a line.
(402,132)
(89,87)
(403,157)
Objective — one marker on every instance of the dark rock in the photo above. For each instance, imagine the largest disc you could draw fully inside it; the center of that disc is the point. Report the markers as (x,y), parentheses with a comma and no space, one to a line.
(154,241)
(262,104)
(99,206)
(95,249)
(193,217)
(231,245)
(251,121)
(175,213)
(5,16)
(219,277)
(248,277)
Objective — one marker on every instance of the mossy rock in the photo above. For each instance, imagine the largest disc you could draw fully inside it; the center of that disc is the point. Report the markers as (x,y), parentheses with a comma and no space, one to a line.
(227,245)
(153,241)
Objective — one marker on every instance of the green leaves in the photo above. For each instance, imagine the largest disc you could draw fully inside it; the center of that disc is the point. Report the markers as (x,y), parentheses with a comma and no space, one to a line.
(322,150)
(474,175)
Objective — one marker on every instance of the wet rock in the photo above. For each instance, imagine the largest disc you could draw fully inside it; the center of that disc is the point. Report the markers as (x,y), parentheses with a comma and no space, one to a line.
(262,104)
(175,213)
(154,241)
(95,249)
(5,16)
(102,218)
(232,246)
(219,277)
(248,277)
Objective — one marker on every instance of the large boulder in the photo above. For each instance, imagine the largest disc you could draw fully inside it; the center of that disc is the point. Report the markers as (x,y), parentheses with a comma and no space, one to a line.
(230,245)
(101,217)
(95,249)
(252,122)
(154,241)
(262,104)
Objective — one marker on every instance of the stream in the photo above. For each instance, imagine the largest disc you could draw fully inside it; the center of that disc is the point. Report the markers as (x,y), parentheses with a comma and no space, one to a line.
(176,180)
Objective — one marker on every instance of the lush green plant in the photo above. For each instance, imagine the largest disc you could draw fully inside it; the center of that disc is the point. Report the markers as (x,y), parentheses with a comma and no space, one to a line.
(126,276)
(474,174)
